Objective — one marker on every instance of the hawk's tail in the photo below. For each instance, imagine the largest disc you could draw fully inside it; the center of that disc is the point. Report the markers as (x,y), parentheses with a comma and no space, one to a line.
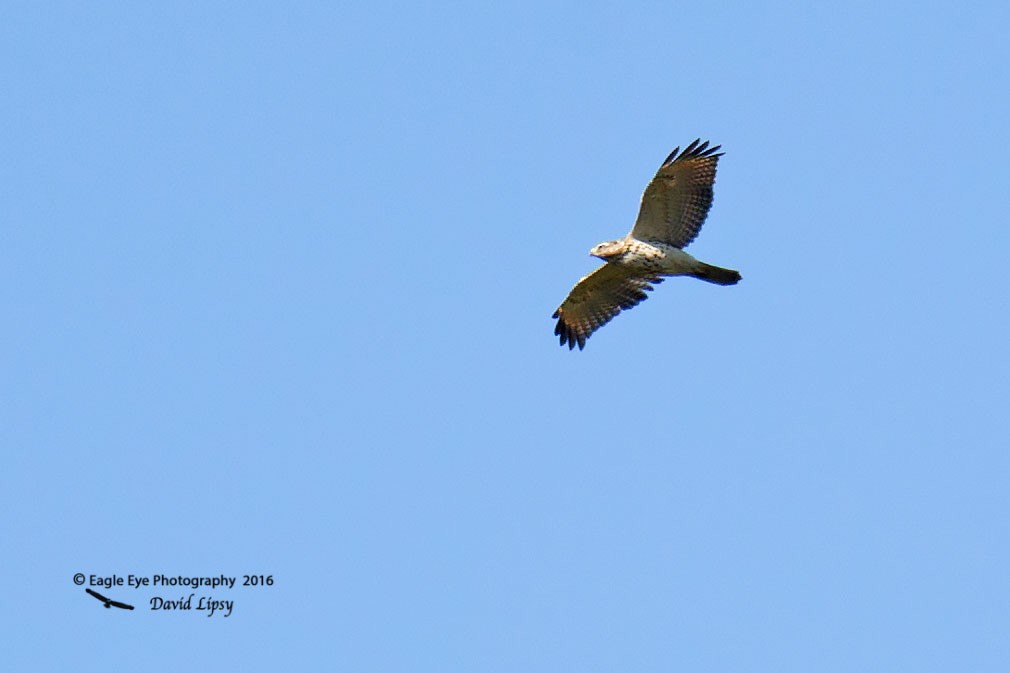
(716,274)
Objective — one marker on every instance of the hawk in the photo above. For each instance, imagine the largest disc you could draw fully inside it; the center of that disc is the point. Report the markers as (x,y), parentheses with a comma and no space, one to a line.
(674,206)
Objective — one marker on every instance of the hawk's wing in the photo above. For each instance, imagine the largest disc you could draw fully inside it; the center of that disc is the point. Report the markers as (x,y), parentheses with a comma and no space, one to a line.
(597,298)
(676,202)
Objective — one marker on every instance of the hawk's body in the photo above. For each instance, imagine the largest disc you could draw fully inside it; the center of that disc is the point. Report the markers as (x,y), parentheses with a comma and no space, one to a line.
(674,206)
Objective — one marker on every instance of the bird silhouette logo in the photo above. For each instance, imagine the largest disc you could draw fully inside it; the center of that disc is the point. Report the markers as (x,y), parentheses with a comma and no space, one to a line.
(108,601)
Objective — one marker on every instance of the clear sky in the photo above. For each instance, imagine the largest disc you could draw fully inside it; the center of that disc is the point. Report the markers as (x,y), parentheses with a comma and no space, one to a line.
(276,282)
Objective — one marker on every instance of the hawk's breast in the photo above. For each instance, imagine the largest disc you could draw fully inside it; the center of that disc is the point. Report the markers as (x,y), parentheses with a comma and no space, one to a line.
(659,257)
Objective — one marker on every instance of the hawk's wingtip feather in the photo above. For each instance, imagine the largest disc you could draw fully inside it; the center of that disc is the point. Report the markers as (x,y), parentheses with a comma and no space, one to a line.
(696,150)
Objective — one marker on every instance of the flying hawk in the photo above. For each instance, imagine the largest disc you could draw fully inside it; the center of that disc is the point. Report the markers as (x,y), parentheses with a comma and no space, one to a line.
(674,206)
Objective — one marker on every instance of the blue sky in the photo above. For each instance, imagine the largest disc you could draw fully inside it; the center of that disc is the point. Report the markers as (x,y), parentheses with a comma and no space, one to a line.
(277,283)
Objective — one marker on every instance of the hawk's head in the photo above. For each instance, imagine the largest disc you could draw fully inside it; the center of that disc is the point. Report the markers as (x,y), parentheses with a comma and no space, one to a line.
(608,249)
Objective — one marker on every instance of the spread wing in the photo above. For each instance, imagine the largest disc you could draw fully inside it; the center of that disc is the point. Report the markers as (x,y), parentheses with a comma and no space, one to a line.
(597,298)
(676,202)
(98,596)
